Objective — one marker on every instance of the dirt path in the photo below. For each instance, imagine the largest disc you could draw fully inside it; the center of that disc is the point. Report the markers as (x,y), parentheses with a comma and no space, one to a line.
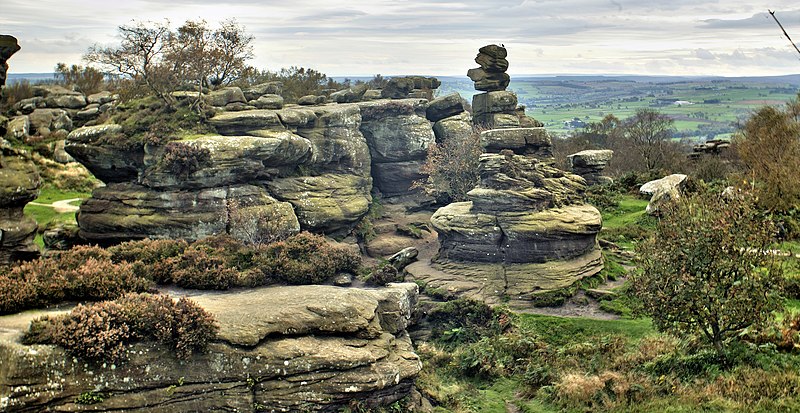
(62,206)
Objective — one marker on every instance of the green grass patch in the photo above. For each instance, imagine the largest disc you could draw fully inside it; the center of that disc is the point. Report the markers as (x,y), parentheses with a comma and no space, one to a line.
(629,211)
(560,331)
(48,195)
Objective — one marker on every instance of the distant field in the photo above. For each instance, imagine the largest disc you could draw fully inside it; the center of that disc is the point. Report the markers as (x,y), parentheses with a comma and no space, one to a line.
(701,108)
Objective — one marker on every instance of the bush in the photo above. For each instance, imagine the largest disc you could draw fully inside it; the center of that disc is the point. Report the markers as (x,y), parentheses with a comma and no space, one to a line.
(183,160)
(82,273)
(305,258)
(383,274)
(466,321)
(705,271)
(100,331)
(201,268)
(452,168)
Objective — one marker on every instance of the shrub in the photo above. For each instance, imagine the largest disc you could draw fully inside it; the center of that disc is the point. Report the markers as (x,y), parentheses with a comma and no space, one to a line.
(383,274)
(466,321)
(452,168)
(305,258)
(183,160)
(82,273)
(101,330)
(87,80)
(706,272)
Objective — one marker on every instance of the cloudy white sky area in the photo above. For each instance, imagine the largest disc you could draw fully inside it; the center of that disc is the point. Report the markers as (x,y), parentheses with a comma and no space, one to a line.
(441,37)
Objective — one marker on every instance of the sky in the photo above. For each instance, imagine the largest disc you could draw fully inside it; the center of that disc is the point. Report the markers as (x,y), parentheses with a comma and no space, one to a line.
(441,37)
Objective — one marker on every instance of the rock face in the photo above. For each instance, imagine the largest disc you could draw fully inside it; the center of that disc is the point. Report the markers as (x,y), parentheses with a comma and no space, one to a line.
(410,87)
(305,348)
(8,46)
(590,165)
(524,215)
(663,190)
(19,184)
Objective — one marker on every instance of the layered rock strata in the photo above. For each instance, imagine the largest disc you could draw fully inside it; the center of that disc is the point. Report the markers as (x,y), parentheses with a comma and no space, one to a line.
(304,348)
(8,46)
(590,164)
(524,230)
(19,184)
(491,75)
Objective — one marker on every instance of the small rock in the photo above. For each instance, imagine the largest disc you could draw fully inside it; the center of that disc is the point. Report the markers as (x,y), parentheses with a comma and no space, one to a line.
(404,257)
(343,280)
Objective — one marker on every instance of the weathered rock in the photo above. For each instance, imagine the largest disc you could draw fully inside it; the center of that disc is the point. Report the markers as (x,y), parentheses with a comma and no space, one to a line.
(19,184)
(248,122)
(311,100)
(350,95)
(233,159)
(497,121)
(101,98)
(125,211)
(396,178)
(62,236)
(27,106)
(495,51)
(522,213)
(268,101)
(491,64)
(494,102)
(590,165)
(109,162)
(19,128)
(453,127)
(50,120)
(68,101)
(372,94)
(48,90)
(670,181)
(297,117)
(523,141)
(304,348)
(271,88)
(88,113)
(402,87)
(397,138)
(60,155)
(402,258)
(337,143)
(666,190)
(8,46)
(445,107)
(488,82)
(225,96)
(329,203)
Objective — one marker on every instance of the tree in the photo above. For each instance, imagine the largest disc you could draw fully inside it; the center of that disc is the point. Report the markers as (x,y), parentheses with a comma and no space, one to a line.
(140,56)
(769,147)
(707,271)
(87,80)
(452,167)
(648,134)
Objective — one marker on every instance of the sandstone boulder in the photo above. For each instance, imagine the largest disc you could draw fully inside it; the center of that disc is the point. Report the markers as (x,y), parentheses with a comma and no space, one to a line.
(590,165)
(19,128)
(248,122)
(398,138)
(488,82)
(523,141)
(304,348)
(107,159)
(311,100)
(233,159)
(225,96)
(665,183)
(101,98)
(124,211)
(349,95)
(445,107)
(256,91)
(663,191)
(19,184)
(328,203)
(338,145)
(494,102)
(453,127)
(268,101)
(8,46)
(44,121)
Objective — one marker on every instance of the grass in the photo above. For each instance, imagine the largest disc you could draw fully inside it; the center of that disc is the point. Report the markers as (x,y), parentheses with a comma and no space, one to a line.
(45,215)
(560,331)
(48,195)
(629,211)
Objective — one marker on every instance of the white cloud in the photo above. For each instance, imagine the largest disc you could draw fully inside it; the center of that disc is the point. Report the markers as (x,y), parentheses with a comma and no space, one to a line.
(442,36)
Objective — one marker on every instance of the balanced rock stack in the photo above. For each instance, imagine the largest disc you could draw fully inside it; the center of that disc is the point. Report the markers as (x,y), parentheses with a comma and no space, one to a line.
(496,110)
(523,232)
(8,46)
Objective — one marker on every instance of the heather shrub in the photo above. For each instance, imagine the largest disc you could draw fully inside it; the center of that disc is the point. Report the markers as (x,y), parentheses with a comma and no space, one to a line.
(149,251)
(202,268)
(305,258)
(82,273)
(466,321)
(183,160)
(101,330)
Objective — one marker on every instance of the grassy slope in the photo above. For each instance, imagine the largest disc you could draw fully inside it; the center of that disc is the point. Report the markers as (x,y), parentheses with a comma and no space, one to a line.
(44,215)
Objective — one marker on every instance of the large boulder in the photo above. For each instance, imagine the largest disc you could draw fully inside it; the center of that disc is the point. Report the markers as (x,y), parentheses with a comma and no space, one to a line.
(398,138)
(246,122)
(45,121)
(328,203)
(124,211)
(349,95)
(523,141)
(19,184)
(663,191)
(454,127)
(268,88)
(225,96)
(301,348)
(338,145)
(445,107)
(403,87)
(106,157)
(232,159)
(19,128)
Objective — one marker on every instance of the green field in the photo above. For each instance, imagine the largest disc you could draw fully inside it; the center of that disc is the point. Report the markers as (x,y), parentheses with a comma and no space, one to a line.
(712,109)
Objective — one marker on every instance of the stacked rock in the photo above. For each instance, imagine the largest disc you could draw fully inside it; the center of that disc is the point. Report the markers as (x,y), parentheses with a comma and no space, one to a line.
(19,184)
(410,87)
(505,123)
(590,165)
(8,46)
(491,76)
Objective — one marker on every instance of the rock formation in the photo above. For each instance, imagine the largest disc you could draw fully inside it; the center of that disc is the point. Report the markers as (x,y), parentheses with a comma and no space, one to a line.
(304,348)
(590,164)
(491,75)
(8,46)
(663,190)
(524,229)
(19,184)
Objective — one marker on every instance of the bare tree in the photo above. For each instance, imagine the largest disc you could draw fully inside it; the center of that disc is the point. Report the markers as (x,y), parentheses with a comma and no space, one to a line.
(648,133)
(232,48)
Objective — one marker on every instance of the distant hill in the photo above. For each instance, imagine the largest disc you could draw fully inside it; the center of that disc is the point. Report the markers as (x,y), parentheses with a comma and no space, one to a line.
(30,77)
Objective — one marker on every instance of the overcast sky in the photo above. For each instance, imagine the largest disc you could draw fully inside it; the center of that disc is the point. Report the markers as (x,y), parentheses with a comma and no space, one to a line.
(441,37)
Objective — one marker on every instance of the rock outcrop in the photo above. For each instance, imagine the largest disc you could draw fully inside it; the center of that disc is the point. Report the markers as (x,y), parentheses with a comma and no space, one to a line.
(19,184)
(8,46)
(590,165)
(305,348)
(491,75)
